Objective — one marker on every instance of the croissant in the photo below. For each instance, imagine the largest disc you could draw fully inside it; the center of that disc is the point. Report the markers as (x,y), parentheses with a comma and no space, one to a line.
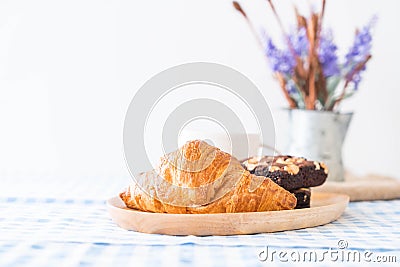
(200,178)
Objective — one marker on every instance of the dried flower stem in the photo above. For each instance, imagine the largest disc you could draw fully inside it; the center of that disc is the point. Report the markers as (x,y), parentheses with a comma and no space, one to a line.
(348,80)
(301,20)
(313,61)
(310,103)
(322,80)
(237,6)
(321,15)
(301,23)
(290,45)
(282,82)
(277,17)
(300,71)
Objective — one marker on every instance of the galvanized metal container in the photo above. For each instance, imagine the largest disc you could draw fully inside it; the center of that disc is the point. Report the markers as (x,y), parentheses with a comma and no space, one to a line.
(319,135)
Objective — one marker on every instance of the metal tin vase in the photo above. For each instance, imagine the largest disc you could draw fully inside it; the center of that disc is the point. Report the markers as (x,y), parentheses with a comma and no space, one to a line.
(319,135)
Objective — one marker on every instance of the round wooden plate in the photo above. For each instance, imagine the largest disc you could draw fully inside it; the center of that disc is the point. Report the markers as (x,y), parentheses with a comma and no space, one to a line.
(325,208)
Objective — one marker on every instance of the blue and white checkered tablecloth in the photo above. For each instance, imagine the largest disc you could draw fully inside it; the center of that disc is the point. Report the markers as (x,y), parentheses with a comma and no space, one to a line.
(68,225)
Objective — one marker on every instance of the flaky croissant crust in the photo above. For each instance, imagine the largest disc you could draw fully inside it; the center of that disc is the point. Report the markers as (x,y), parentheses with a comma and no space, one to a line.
(199,178)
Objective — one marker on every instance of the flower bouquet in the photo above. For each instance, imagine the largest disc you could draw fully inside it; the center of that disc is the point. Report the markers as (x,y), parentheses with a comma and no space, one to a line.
(307,67)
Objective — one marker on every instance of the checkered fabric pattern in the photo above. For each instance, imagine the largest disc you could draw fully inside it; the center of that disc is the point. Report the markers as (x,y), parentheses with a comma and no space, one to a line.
(71,230)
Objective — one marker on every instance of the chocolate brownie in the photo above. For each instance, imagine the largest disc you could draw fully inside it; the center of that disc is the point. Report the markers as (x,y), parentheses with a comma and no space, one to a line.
(303,196)
(287,171)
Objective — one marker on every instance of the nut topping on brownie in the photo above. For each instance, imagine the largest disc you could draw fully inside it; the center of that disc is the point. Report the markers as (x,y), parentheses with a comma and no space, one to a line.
(287,171)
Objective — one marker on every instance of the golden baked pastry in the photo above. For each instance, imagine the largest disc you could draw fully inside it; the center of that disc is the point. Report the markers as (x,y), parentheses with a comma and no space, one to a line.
(199,178)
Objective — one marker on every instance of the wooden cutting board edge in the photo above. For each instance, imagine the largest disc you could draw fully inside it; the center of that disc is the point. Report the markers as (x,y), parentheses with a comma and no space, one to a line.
(366,188)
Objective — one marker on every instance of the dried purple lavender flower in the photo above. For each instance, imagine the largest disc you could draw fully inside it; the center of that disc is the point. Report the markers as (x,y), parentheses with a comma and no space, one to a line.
(357,54)
(360,49)
(299,41)
(291,88)
(279,60)
(356,80)
(327,55)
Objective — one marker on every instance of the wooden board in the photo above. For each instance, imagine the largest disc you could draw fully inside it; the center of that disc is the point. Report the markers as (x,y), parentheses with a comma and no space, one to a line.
(325,208)
(369,187)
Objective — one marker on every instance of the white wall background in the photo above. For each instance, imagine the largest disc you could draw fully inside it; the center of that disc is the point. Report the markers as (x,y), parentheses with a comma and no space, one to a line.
(68,70)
